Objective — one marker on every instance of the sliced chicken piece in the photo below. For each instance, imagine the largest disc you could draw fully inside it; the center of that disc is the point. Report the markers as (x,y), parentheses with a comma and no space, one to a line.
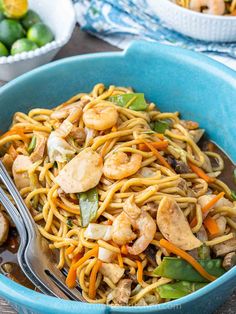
(82,173)
(225,247)
(20,169)
(4,228)
(7,160)
(122,292)
(229,260)
(174,226)
(112,271)
(39,150)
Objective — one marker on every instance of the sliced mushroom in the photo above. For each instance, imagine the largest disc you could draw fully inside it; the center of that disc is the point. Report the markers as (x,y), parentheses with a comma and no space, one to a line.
(229,260)
(141,302)
(178,165)
(82,173)
(4,228)
(41,141)
(202,234)
(197,134)
(112,271)
(225,247)
(122,293)
(207,164)
(174,226)
(150,253)
(20,169)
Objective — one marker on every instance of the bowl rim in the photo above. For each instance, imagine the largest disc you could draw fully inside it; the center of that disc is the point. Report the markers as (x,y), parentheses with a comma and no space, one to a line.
(199,14)
(55,44)
(26,297)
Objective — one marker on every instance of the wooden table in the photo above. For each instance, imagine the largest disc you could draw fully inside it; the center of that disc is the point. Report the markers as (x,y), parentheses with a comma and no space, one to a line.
(82,43)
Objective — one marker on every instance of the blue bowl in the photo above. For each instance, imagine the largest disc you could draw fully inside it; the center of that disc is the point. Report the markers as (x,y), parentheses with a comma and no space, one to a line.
(176,80)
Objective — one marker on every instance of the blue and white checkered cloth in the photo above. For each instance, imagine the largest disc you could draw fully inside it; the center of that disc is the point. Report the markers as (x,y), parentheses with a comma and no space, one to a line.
(121,21)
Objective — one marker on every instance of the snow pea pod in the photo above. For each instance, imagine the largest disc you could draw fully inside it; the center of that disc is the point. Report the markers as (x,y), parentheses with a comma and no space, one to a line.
(179,269)
(88,202)
(160,126)
(179,289)
(134,101)
(32,144)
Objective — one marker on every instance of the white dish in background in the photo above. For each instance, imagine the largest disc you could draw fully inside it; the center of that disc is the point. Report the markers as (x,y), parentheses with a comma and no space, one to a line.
(59,15)
(194,24)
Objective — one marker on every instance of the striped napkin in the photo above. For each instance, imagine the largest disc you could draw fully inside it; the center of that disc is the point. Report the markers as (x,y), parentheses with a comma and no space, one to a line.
(121,21)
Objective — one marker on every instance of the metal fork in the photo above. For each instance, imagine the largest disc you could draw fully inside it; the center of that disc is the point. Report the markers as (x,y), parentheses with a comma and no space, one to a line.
(34,256)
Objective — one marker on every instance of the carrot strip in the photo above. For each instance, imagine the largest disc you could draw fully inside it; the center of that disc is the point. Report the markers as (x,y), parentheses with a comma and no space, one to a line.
(211,226)
(201,173)
(69,250)
(157,145)
(207,207)
(172,248)
(124,250)
(158,155)
(71,277)
(18,131)
(92,279)
(139,272)
(160,136)
(120,260)
(65,207)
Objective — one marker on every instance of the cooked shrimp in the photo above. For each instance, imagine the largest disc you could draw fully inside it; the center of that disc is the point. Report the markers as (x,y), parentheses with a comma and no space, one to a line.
(119,166)
(82,173)
(215,7)
(20,171)
(122,229)
(100,117)
(58,148)
(131,208)
(64,112)
(146,227)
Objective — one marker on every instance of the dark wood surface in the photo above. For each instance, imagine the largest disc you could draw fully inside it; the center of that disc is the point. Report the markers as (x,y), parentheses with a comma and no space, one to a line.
(82,43)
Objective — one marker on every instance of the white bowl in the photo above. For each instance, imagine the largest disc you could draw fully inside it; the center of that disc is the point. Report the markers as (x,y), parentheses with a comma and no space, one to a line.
(59,15)
(194,24)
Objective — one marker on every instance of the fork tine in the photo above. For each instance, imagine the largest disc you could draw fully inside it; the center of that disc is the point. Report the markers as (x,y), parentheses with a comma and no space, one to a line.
(46,277)
(72,293)
(17,219)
